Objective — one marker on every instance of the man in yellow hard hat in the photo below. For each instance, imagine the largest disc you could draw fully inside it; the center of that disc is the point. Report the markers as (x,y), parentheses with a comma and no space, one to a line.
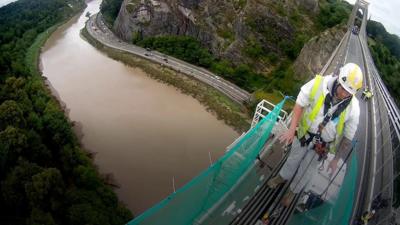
(367,94)
(325,119)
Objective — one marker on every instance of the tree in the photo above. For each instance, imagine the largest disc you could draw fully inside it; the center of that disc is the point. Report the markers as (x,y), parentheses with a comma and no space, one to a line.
(378,32)
(56,127)
(39,154)
(72,157)
(83,214)
(13,188)
(46,189)
(12,142)
(333,13)
(86,177)
(39,217)
(110,10)
(11,115)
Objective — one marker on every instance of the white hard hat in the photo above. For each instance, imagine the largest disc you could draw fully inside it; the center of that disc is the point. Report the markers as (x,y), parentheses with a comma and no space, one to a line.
(351,78)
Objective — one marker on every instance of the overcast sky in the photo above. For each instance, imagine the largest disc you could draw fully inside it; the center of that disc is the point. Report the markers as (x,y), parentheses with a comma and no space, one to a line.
(385,11)
(5,2)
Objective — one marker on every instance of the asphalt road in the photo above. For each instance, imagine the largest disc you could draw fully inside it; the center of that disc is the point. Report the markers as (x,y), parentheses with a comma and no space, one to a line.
(364,131)
(101,33)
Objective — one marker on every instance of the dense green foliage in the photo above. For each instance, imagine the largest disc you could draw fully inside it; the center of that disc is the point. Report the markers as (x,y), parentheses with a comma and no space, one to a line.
(385,50)
(110,10)
(19,27)
(182,47)
(45,178)
(190,50)
(284,45)
(333,12)
(378,32)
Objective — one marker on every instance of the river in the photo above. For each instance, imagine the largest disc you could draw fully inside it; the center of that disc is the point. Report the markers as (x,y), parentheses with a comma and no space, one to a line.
(143,132)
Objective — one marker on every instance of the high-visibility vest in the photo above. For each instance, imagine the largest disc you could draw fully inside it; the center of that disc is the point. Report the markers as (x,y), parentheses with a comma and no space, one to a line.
(317,98)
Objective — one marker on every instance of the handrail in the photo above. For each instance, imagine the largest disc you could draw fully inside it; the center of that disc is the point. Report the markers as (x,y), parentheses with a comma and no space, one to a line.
(392,112)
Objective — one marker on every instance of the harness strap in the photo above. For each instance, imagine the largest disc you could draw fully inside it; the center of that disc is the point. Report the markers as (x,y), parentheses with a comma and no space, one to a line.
(308,118)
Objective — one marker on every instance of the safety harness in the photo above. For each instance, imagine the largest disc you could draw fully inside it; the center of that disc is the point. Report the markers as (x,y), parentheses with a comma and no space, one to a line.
(331,112)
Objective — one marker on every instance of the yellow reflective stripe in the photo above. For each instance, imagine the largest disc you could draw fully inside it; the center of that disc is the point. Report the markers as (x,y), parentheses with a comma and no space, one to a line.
(339,131)
(302,128)
(304,124)
(317,82)
(311,117)
(316,108)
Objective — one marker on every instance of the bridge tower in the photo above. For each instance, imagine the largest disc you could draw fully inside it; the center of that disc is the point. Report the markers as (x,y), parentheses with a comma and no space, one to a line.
(359,15)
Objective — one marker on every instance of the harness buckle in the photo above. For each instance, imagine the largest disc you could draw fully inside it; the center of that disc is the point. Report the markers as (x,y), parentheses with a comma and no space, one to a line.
(321,148)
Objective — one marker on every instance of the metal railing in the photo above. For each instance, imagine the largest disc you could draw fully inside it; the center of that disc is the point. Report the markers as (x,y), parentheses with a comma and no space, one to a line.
(387,138)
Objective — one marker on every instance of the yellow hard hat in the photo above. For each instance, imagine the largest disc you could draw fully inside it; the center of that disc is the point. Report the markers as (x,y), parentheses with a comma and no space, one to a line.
(351,78)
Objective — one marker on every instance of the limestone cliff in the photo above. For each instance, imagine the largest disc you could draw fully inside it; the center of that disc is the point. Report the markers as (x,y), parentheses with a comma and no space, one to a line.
(317,51)
(229,28)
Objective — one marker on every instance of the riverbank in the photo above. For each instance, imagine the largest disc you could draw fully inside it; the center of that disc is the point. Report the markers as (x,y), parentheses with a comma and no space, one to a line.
(35,67)
(32,59)
(39,144)
(217,103)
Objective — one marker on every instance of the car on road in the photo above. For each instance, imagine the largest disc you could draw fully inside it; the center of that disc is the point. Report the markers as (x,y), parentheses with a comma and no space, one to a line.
(166,60)
(146,54)
(148,49)
(355,30)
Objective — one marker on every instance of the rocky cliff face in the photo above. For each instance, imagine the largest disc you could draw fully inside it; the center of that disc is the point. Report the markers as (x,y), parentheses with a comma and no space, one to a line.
(311,5)
(227,27)
(145,18)
(317,51)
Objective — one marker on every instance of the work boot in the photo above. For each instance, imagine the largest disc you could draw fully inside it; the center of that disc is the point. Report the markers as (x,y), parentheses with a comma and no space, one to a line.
(288,198)
(275,181)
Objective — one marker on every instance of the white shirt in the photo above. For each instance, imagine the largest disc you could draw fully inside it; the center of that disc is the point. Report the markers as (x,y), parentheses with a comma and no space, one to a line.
(328,134)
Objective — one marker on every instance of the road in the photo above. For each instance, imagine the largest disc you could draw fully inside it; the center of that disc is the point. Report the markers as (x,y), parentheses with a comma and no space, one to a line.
(364,132)
(99,31)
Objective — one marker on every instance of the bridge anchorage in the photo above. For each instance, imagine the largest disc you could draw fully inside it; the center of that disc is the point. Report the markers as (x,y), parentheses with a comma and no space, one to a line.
(234,190)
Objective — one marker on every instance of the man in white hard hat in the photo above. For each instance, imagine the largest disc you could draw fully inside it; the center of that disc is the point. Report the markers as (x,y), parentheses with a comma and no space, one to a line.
(325,119)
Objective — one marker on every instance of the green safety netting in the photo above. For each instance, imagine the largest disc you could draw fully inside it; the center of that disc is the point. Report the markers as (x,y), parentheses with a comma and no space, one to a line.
(191,203)
(338,211)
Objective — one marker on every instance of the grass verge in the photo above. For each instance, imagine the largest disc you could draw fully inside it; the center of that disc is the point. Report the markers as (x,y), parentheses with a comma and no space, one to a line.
(33,53)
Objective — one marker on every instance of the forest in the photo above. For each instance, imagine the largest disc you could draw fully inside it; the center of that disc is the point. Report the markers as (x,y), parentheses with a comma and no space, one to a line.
(385,50)
(45,176)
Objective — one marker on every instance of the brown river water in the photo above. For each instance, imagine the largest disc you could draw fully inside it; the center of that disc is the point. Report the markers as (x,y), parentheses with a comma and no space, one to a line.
(143,132)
